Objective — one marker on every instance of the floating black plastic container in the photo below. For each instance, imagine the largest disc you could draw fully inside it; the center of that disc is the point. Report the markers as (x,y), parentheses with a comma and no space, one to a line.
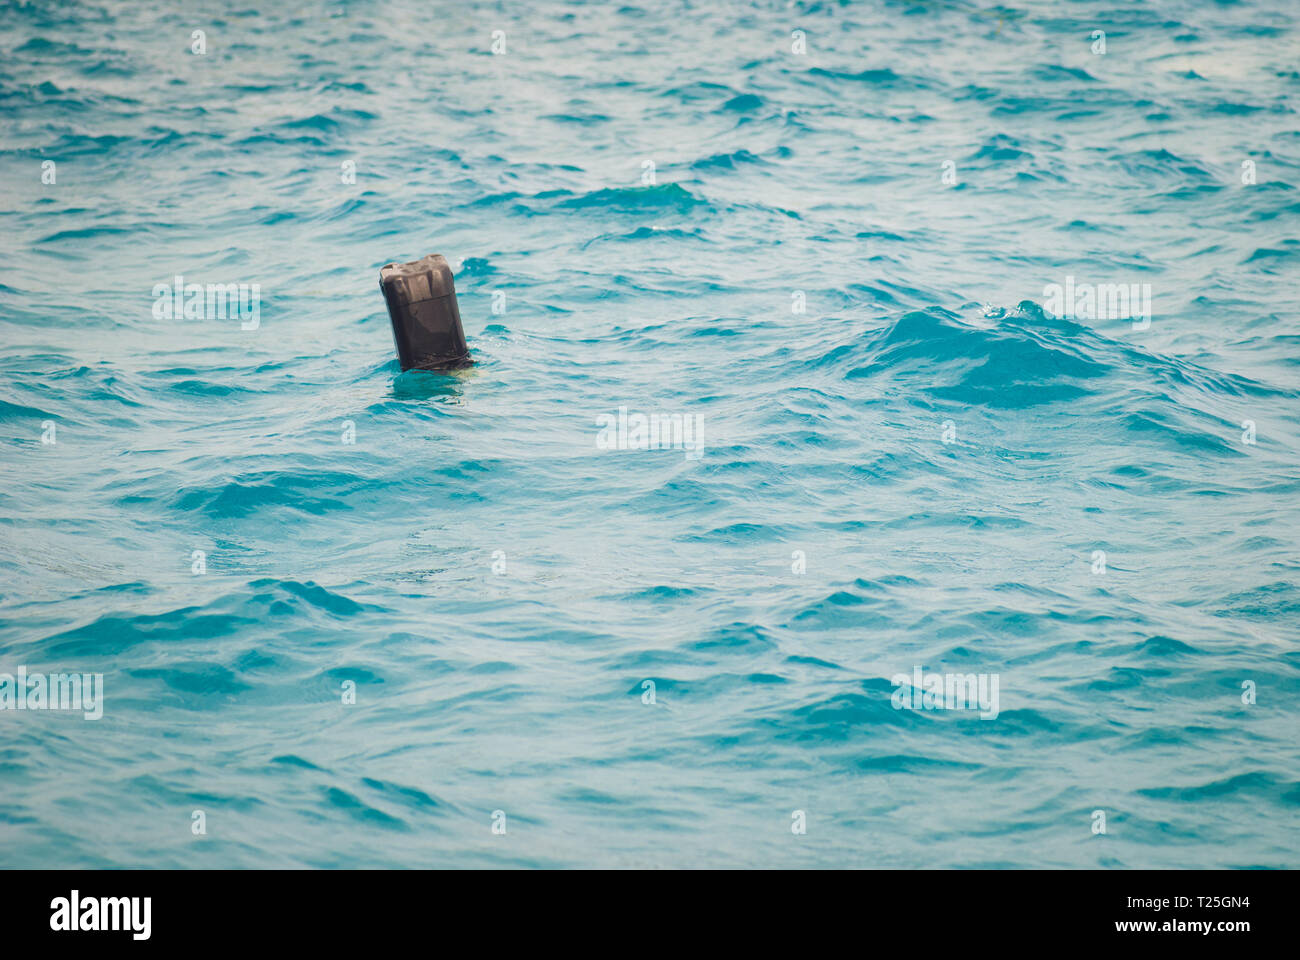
(421,302)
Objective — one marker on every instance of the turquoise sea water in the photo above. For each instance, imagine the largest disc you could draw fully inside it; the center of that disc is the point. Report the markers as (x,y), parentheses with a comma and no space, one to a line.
(916,470)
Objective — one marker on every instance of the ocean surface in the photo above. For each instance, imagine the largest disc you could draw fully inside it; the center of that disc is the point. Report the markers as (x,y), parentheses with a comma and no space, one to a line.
(823,233)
